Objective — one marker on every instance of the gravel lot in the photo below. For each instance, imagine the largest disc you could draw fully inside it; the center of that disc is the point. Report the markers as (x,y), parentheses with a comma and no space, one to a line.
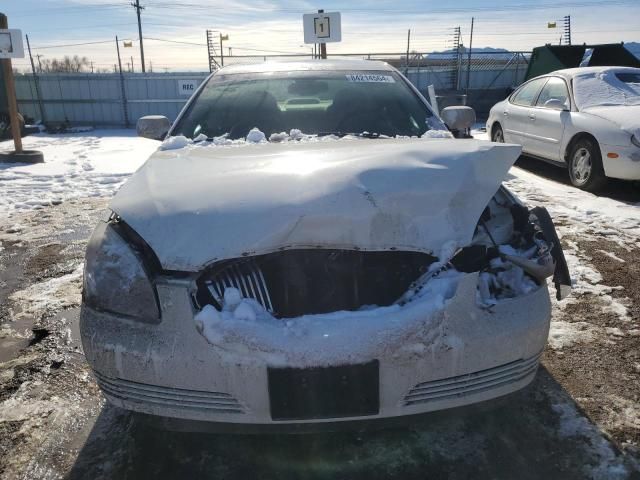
(579,419)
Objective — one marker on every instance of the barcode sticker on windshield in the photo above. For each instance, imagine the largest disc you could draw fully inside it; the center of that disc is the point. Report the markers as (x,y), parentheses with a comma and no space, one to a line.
(370,78)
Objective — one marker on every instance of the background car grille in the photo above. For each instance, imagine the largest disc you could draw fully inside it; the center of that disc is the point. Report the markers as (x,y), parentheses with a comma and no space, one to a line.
(214,402)
(471,383)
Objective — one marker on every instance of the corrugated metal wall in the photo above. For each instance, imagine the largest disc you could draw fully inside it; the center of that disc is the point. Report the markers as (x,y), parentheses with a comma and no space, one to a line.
(96,99)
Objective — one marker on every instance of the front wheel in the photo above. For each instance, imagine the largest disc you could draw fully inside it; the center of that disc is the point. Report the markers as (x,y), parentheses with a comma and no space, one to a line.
(497,135)
(585,165)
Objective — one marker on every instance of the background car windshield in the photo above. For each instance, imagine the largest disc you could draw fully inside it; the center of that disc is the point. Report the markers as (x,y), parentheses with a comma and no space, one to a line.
(313,102)
(608,88)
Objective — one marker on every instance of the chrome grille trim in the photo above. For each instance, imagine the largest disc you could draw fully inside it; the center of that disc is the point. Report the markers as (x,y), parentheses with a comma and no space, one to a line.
(472,383)
(179,398)
(247,277)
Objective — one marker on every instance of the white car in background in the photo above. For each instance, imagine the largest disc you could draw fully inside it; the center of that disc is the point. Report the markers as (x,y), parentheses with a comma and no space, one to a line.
(587,119)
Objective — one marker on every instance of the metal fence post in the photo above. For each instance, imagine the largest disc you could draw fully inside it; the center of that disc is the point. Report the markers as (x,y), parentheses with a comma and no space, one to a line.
(36,81)
(124,93)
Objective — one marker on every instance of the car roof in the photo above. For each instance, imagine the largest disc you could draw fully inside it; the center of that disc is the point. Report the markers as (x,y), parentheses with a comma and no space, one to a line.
(570,73)
(310,65)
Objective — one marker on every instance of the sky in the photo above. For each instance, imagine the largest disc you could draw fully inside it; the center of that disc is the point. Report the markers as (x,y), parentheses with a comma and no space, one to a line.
(262,27)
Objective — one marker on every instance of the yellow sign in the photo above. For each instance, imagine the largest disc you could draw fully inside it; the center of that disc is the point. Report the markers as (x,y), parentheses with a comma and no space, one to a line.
(127,44)
(551,25)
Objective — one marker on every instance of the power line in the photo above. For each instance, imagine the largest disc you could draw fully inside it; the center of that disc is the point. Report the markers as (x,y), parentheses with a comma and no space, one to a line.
(176,41)
(503,8)
(72,44)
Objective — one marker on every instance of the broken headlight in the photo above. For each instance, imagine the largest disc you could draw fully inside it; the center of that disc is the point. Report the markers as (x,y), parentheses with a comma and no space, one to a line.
(116,279)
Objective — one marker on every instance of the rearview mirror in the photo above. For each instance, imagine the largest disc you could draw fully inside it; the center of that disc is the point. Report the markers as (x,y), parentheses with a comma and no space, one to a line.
(555,104)
(154,127)
(459,120)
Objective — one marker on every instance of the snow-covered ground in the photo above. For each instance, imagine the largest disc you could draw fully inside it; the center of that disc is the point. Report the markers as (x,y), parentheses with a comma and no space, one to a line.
(94,164)
(90,164)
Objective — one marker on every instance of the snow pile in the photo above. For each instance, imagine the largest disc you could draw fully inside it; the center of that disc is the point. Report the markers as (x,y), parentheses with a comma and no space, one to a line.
(293,135)
(566,334)
(90,164)
(604,88)
(437,134)
(174,143)
(256,136)
(243,326)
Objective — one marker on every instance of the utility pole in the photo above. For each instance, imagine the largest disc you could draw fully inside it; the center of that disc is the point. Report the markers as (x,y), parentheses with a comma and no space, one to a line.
(567,29)
(138,7)
(38,55)
(469,59)
(406,70)
(11,94)
(91,66)
(132,70)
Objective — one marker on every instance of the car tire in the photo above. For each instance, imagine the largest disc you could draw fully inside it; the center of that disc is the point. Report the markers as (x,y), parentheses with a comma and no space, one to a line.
(497,135)
(585,165)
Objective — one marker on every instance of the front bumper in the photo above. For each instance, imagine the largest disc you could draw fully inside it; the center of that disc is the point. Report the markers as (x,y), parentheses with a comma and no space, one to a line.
(626,166)
(170,370)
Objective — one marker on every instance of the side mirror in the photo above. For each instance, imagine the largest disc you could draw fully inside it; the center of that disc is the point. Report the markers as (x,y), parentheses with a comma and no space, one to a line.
(459,120)
(555,104)
(154,127)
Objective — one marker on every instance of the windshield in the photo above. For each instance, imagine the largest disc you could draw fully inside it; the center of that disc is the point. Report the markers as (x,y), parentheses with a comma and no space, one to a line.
(608,88)
(313,102)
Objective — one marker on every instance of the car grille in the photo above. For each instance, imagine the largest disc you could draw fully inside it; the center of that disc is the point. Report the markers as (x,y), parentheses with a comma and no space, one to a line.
(297,282)
(471,383)
(214,402)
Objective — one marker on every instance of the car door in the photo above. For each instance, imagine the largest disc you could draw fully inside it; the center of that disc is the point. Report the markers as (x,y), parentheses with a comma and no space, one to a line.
(547,119)
(515,116)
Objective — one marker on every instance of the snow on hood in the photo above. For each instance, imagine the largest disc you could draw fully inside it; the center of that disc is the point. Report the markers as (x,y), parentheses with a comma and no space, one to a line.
(197,205)
(627,117)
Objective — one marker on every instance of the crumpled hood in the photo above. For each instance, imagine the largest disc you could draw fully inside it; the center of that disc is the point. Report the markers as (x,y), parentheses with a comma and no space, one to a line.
(626,117)
(201,204)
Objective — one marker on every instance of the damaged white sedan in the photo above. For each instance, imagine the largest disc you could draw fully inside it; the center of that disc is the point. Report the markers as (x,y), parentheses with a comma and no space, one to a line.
(310,246)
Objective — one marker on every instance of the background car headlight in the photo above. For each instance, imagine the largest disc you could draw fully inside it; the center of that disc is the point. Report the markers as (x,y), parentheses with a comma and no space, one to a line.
(115,278)
(635,140)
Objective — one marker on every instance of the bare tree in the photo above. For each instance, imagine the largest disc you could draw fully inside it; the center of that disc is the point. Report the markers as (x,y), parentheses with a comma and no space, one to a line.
(67,64)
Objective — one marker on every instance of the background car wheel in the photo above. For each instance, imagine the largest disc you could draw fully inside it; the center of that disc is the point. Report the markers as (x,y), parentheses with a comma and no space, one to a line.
(497,135)
(585,165)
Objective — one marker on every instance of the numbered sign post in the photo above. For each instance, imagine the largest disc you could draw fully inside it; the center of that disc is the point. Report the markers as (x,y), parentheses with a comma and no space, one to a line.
(322,28)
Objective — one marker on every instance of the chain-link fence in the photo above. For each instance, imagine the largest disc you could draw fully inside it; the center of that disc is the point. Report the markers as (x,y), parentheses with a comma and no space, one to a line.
(117,99)
(448,71)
